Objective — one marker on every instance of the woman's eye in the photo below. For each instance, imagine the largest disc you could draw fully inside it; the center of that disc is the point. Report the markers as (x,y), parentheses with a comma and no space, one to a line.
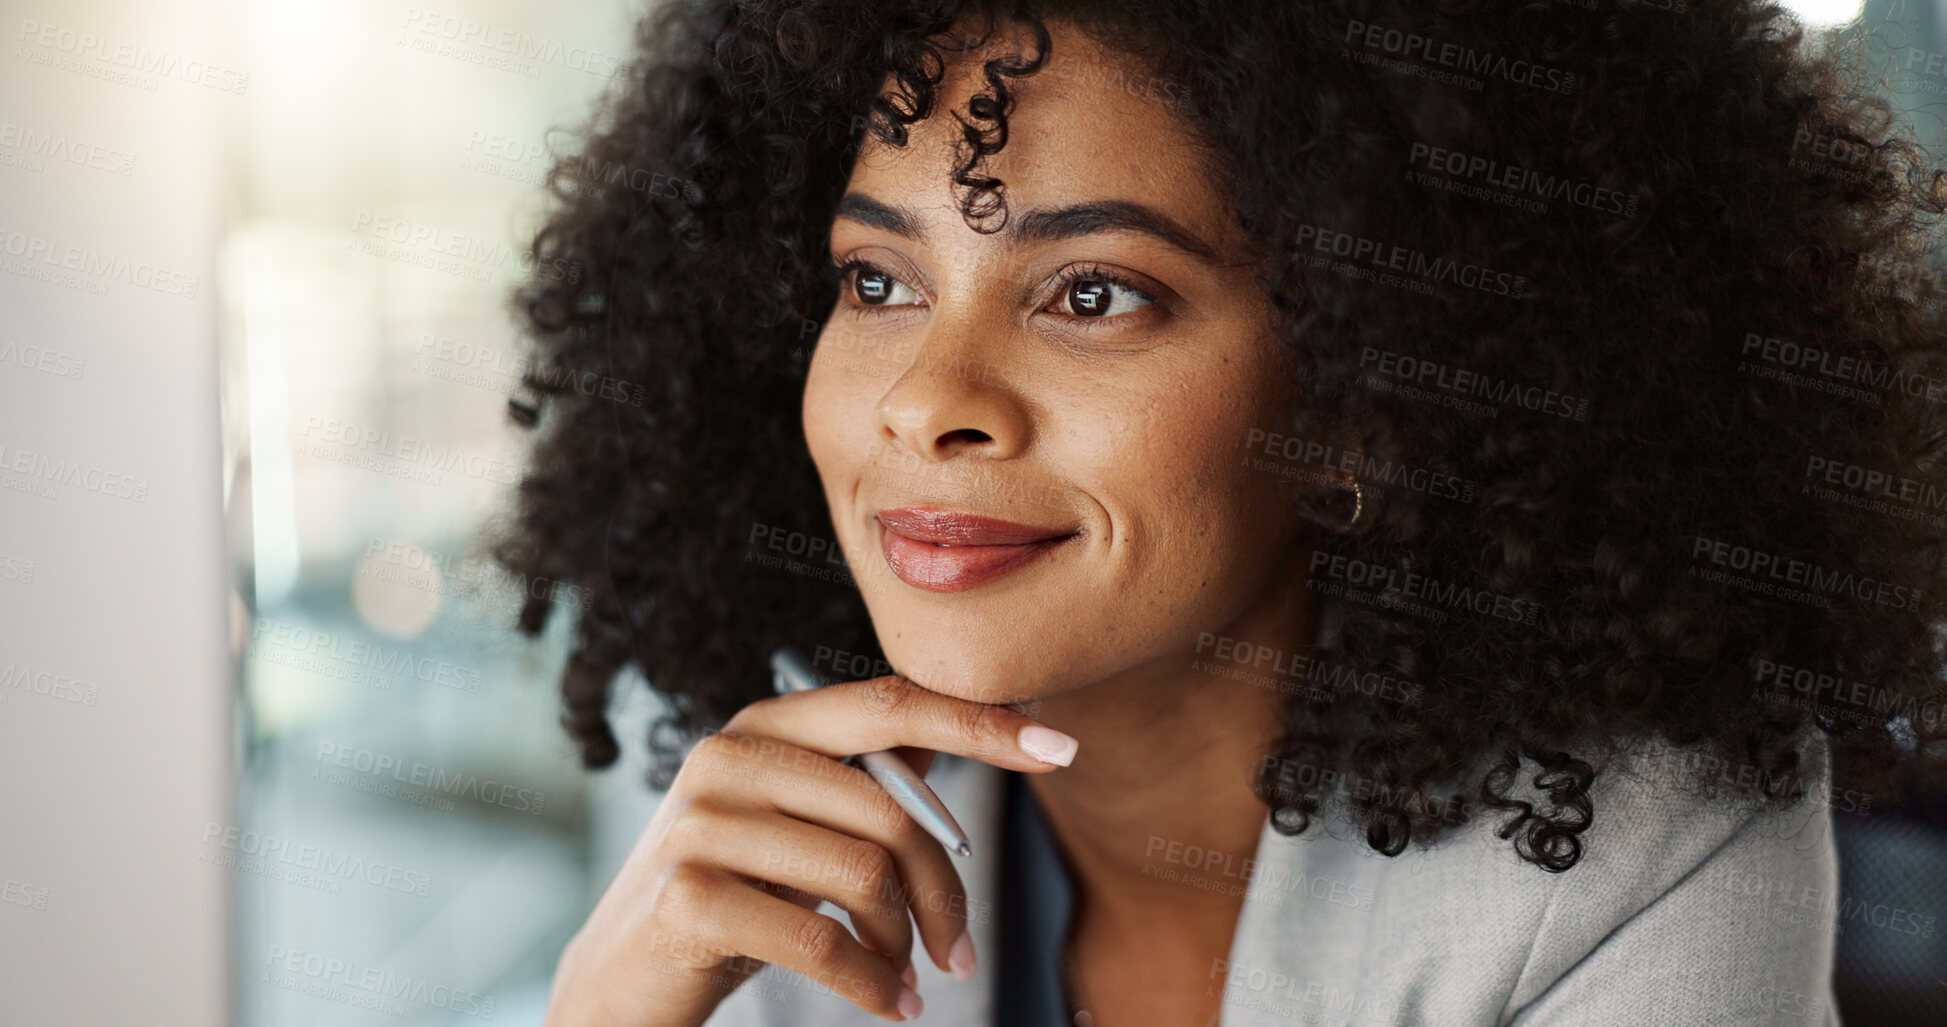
(878,289)
(1101,297)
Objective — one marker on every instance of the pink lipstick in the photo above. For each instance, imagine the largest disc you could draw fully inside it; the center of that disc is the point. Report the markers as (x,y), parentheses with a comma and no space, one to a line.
(953,551)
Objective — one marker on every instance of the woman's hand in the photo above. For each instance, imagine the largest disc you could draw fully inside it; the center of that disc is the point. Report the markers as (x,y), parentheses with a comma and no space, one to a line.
(761,823)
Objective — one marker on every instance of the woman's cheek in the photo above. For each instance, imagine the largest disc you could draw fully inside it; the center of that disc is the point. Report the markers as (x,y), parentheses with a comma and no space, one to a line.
(824,411)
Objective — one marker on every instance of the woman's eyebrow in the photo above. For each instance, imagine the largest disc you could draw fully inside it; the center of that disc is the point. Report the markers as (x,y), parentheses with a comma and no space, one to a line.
(1039,225)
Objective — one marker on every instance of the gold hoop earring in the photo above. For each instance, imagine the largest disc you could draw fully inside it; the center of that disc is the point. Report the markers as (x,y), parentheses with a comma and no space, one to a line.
(1358,506)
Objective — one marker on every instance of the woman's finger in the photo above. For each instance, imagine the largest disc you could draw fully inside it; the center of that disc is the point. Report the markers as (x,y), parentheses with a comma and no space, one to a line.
(885,712)
(853,873)
(822,791)
(731,916)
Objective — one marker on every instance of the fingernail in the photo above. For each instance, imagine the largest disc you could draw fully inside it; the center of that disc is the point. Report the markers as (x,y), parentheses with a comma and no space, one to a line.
(961,957)
(1048,745)
(908,974)
(909,1003)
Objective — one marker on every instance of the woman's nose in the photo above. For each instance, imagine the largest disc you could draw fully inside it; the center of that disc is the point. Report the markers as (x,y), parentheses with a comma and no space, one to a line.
(955,398)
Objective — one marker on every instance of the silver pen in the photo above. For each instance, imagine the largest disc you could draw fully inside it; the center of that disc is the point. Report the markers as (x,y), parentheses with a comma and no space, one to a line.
(791,672)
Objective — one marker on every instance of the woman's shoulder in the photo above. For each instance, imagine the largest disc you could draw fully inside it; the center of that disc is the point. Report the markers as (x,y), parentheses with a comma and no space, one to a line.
(1683,906)
(1705,907)
(1687,877)
(1659,812)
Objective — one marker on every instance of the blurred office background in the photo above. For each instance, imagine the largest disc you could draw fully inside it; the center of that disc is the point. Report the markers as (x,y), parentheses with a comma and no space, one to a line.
(390,158)
(312,777)
(324,203)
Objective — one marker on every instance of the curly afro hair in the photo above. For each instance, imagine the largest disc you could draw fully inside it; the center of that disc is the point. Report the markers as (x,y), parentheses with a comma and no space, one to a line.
(1628,310)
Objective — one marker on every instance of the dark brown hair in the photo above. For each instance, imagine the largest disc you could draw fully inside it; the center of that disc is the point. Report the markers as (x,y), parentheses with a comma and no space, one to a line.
(1628,306)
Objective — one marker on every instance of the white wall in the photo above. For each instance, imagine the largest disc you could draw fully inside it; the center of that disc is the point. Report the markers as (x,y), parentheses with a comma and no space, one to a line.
(115,677)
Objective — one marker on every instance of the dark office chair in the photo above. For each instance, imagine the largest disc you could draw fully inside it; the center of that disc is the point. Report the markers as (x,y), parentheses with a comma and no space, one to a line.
(1891,969)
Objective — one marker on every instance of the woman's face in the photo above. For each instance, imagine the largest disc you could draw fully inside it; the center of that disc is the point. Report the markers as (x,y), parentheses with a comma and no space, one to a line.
(1087,375)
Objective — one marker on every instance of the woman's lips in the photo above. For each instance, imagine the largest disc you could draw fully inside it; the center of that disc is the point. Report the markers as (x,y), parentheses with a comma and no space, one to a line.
(950,551)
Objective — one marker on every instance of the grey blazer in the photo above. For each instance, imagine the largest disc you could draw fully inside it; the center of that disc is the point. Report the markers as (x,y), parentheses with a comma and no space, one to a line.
(1681,912)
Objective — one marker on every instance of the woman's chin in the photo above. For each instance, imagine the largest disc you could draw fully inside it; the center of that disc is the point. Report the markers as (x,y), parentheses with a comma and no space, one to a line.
(975,689)
(977,678)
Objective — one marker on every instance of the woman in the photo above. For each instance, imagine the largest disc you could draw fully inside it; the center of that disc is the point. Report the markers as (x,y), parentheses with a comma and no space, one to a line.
(1239,443)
